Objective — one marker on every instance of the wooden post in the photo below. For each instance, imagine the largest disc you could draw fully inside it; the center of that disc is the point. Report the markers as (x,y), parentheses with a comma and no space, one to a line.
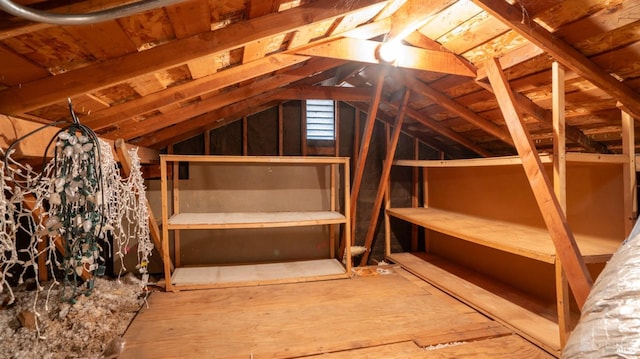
(154,230)
(245,137)
(303,128)
(207,142)
(336,129)
(280,130)
(577,274)
(415,178)
(629,172)
(425,204)
(165,219)
(387,198)
(560,189)
(384,177)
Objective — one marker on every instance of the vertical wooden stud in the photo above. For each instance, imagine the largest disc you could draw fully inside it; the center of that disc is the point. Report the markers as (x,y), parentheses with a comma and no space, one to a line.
(425,204)
(303,128)
(415,178)
(245,136)
(165,219)
(176,207)
(560,189)
(280,130)
(629,172)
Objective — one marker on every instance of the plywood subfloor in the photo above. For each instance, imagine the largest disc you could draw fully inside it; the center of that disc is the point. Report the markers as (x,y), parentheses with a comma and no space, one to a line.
(393,315)
(256,273)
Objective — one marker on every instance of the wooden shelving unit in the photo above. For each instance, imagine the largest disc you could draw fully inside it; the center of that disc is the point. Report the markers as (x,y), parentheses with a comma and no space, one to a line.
(520,311)
(183,278)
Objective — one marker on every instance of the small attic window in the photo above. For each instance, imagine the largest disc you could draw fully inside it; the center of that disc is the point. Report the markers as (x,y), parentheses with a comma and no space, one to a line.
(321,120)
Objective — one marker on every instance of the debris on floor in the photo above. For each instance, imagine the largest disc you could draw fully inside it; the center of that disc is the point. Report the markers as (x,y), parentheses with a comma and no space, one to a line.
(52,328)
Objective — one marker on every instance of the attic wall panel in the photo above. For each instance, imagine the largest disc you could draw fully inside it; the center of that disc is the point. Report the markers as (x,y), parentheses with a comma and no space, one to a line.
(262,133)
(227,140)
(292,128)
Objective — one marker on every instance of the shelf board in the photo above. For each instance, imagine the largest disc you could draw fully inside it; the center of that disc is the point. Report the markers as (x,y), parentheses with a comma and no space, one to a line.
(527,241)
(256,274)
(528,317)
(594,158)
(229,220)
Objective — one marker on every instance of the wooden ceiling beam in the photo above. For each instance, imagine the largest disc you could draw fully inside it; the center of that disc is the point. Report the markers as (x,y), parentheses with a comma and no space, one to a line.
(564,53)
(132,129)
(117,114)
(300,92)
(412,15)
(408,57)
(49,90)
(449,104)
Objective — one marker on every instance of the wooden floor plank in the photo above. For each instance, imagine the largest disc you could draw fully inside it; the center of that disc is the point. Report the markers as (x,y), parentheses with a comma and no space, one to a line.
(529,323)
(295,320)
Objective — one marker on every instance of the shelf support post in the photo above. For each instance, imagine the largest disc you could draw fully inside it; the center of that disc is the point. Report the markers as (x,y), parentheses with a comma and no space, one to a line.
(560,188)
(629,172)
(576,270)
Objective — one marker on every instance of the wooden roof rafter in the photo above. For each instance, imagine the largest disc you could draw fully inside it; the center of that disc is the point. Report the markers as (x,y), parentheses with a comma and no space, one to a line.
(562,52)
(57,88)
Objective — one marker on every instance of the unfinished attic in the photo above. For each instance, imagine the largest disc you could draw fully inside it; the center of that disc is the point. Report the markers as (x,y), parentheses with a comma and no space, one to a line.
(314,178)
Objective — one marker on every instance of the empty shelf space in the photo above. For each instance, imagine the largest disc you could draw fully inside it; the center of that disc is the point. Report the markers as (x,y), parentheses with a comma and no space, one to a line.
(529,316)
(253,219)
(257,274)
(526,241)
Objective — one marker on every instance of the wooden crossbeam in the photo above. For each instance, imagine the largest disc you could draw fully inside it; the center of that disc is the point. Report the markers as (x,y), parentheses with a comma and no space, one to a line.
(408,57)
(573,264)
(384,178)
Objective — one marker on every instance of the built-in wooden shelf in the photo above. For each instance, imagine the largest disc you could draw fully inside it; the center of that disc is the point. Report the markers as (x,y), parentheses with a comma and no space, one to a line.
(527,241)
(531,318)
(216,276)
(230,220)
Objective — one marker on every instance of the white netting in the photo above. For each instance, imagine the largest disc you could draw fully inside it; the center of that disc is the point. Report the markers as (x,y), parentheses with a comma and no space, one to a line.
(70,206)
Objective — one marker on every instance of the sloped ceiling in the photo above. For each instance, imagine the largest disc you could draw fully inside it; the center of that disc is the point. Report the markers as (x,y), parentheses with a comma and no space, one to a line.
(164,75)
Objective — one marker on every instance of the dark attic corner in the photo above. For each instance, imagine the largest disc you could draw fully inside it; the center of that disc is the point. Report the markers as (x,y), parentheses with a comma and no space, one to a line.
(314,178)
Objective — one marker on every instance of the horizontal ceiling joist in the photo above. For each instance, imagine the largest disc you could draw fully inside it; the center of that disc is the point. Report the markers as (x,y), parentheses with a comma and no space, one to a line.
(406,56)
(52,89)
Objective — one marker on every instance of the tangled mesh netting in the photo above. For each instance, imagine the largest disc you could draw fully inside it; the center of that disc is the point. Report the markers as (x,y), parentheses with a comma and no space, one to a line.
(68,215)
